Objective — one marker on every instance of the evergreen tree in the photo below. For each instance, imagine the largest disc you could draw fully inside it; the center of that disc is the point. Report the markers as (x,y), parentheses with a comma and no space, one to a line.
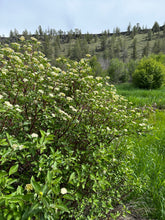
(129,29)
(156,27)
(103,42)
(134,31)
(117,71)
(134,47)
(111,48)
(146,50)
(40,31)
(164,30)
(25,33)
(11,34)
(84,47)
(157,47)
(149,37)
(76,51)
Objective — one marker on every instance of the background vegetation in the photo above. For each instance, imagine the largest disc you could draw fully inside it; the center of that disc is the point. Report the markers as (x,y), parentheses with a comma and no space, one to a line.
(109,48)
(72,146)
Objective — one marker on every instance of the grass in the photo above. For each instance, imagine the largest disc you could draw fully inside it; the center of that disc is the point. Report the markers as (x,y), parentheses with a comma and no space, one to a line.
(148,161)
(142,97)
(149,166)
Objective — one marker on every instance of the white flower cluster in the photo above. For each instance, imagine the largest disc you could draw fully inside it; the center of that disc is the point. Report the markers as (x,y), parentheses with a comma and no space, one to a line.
(17,146)
(34,135)
(8,104)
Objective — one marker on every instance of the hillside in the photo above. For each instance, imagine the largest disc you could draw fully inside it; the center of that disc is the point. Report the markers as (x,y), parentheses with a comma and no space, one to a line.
(132,44)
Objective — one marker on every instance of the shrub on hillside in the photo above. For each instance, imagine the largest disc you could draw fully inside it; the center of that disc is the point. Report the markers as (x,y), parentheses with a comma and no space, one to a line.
(64,149)
(117,71)
(149,74)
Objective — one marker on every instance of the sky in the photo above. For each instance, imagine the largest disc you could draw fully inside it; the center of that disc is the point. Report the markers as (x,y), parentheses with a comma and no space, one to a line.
(93,16)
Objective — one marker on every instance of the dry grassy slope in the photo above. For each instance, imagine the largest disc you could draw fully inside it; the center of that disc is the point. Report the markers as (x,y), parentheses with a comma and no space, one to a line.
(142,39)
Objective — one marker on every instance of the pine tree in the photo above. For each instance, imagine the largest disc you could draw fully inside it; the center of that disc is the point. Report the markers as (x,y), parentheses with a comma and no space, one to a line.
(156,27)
(134,46)
(146,50)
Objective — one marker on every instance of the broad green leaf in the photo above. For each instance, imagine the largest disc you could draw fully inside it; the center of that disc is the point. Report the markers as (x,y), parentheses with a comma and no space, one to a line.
(69,197)
(3,173)
(13,169)
(62,207)
(49,176)
(35,185)
(72,177)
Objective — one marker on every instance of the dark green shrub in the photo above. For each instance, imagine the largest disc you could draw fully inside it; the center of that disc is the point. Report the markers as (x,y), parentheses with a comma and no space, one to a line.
(64,152)
(149,74)
(117,71)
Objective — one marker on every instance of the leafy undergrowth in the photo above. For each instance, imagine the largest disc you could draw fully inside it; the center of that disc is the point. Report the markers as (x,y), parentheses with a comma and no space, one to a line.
(64,151)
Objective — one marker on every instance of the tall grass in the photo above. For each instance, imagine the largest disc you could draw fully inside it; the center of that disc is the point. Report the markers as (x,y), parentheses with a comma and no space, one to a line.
(148,161)
(149,167)
(142,97)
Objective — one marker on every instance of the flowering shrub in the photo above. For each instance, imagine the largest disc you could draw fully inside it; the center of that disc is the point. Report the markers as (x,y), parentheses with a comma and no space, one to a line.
(64,138)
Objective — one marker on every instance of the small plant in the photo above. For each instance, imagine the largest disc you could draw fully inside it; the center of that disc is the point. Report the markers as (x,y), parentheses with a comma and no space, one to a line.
(149,74)
(64,149)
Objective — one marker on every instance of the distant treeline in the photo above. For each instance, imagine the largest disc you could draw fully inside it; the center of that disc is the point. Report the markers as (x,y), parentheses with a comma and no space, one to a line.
(109,49)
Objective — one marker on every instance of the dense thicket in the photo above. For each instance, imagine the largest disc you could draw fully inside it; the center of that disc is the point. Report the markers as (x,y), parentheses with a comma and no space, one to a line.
(64,146)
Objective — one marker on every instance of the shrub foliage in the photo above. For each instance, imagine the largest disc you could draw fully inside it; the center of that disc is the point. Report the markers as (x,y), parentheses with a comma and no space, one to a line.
(149,74)
(63,143)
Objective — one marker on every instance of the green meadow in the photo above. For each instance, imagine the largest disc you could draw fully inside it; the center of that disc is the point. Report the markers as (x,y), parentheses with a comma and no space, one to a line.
(148,161)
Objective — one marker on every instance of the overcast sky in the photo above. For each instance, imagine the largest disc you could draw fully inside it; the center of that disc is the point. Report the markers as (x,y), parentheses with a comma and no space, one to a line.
(93,16)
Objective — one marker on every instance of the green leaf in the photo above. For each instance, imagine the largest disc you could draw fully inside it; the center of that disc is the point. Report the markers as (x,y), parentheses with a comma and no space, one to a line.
(3,173)
(9,139)
(62,207)
(3,142)
(13,169)
(72,177)
(69,197)
(35,185)
(49,176)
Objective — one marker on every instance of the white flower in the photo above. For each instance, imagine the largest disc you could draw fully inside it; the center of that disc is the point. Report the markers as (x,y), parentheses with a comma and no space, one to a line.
(25,80)
(61,94)
(53,115)
(18,110)
(41,67)
(14,146)
(69,98)
(88,55)
(54,74)
(50,87)
(98,78)
(90,77)
(33,39)
(142,124)
(73,109)
(34,135)
(41,91)
(63,191)
(8,104)
(100,84)
(1,96)
(17,59)
(20,147)
(22,38)
(51,95)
